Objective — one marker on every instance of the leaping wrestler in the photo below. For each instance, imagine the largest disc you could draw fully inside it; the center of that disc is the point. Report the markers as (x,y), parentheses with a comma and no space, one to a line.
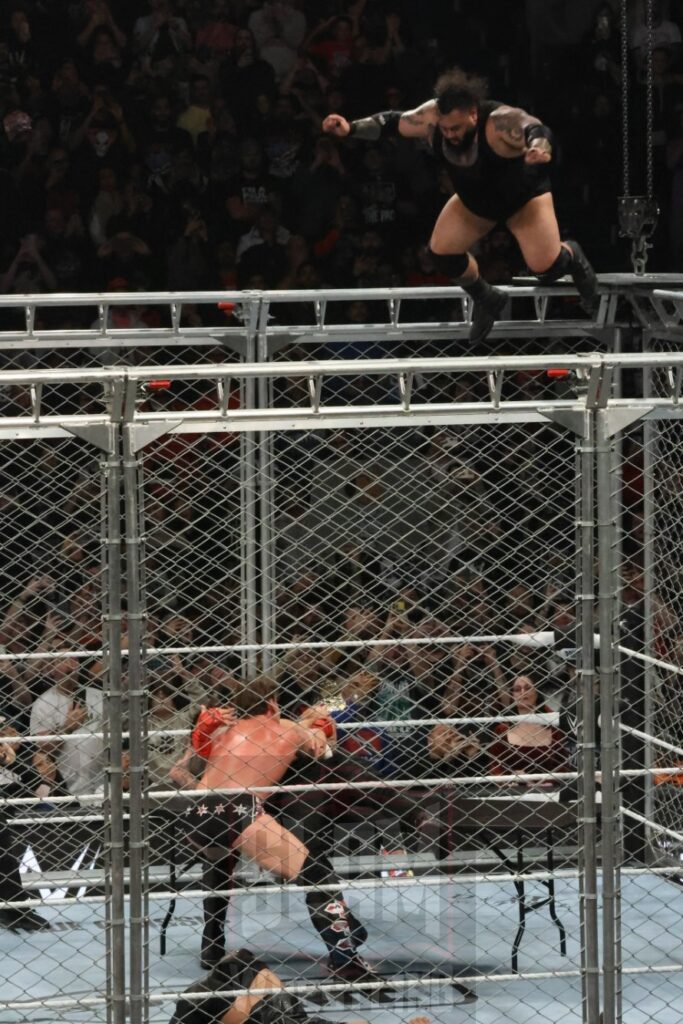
(496,157)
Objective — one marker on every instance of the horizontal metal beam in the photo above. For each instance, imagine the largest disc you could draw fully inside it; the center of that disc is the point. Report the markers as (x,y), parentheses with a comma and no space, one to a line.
(32,432)
(63,376)
(405,331)
(56,299)
(370,367)
(352,417)
(114,338)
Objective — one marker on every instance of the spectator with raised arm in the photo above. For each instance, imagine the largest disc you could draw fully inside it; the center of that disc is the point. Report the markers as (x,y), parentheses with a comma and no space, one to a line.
(278,28)
(92,15)
(462,748)
(161,35)
(28,272)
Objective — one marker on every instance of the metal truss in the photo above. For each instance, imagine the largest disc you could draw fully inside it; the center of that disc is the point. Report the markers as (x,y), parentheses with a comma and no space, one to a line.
(532,309)
(122,394)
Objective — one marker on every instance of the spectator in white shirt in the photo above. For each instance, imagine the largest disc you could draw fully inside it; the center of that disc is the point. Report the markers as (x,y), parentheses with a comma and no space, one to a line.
(73,764)
(279,29)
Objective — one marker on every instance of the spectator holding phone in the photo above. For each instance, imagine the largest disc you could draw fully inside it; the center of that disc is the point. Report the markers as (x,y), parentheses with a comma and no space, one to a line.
(28,271)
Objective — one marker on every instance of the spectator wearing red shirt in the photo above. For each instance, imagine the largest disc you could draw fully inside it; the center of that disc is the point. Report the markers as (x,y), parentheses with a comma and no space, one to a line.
(335,51)
(216,37)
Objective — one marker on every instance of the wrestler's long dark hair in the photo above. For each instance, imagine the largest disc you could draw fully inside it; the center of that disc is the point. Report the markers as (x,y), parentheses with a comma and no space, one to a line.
(456,90)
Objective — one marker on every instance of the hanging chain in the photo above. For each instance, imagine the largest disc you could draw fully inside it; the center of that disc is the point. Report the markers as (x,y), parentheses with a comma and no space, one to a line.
(649,100)
(624,100)
(638,214)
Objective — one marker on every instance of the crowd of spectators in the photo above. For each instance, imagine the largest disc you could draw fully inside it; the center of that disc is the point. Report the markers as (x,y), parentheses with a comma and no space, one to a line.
(177,145)
(450,535)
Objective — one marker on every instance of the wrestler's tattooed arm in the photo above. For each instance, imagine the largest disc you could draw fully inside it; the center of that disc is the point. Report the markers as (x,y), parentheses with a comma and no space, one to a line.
(508,125)
(420,122)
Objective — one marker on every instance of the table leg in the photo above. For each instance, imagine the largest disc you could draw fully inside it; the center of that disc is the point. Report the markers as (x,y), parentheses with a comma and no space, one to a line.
(521,904)
(551,892)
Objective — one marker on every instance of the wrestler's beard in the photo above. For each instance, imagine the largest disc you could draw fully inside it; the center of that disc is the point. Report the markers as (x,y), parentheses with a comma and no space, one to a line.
(465,143)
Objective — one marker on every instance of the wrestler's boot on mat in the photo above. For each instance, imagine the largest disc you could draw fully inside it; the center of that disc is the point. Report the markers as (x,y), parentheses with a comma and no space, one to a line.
(337,927)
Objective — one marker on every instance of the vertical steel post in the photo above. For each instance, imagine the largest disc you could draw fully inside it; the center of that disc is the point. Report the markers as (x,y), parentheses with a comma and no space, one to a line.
(110,469)
(249,507)
(616,465)
(609,735)
(650,455)
(586,722)
(137,718)
(266,495)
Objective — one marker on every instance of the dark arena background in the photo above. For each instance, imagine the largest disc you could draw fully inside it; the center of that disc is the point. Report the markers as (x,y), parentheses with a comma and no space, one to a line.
(248,444)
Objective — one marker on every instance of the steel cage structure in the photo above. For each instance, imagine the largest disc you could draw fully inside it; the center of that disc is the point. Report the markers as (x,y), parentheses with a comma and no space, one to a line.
(627,761)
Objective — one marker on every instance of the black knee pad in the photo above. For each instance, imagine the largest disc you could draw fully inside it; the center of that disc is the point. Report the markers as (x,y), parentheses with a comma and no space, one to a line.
(557,269)
(451,263)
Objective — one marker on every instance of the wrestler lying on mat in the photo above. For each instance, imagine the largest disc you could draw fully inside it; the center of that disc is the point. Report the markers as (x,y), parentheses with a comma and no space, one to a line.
(242,970)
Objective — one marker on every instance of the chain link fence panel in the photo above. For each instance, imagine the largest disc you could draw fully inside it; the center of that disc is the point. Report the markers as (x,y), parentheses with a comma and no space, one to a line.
(61,940)
(408,583)
(648,847)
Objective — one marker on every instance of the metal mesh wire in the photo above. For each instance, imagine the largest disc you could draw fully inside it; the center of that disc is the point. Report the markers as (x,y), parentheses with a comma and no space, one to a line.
(648,507)
(375,570)
(652,577)
(51,669)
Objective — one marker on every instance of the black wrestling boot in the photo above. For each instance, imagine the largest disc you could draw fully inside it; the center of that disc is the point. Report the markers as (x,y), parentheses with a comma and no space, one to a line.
(488,302)
(359,970)
(217,875)
(213,951)
(359,936)
(213,936)
(22,920)
(584,278)
(359,932)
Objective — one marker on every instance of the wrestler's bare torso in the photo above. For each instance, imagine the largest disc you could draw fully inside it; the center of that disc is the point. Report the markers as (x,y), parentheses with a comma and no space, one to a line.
(255,752)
